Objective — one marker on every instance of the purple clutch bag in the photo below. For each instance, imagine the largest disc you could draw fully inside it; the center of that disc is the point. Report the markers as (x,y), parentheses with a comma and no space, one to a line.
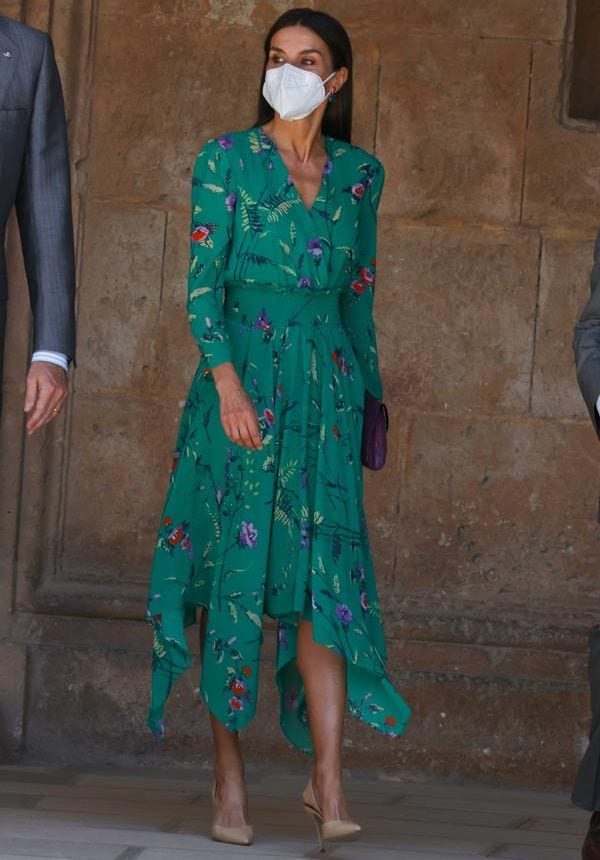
(376,422)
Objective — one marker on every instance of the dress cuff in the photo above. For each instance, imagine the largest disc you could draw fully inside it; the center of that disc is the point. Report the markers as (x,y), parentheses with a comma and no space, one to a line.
(51,357)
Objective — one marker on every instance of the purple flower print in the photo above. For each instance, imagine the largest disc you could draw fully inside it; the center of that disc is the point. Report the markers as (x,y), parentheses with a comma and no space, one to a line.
(262,321)
(328,168)
(159,731)
(225,141)
(291,700)
(230,201)
(281,638)
(315,248)
(305,281)
(344,614)
(269,417)
(290,181)
(304,534)
(248,535)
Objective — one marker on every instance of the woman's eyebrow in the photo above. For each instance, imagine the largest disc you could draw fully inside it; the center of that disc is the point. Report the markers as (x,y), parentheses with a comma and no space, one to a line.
(305,51)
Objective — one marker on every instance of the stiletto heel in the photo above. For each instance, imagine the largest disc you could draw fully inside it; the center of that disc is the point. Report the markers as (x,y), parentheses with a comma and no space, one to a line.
(239,835)
(334,830)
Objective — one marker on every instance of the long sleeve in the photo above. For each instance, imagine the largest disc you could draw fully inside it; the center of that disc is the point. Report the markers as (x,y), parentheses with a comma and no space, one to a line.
(213,206)
(43,207)
(586,343)
(356,305)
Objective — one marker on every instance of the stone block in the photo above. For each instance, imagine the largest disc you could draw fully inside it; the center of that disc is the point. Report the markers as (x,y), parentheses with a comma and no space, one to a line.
(511,19)
(13,669)
(451,128)
(118,470)
(564,290)
(454,311)
(159,96)
(562,173)
(119,296)
(381,491)
(500,511)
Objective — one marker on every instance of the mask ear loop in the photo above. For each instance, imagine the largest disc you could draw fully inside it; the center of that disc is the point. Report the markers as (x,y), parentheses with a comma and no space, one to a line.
(332,96)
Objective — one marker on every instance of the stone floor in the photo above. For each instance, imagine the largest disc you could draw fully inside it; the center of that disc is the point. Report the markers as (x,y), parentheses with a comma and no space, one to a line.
(113,814)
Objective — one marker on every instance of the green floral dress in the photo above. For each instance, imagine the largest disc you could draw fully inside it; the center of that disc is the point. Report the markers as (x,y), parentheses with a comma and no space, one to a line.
(286,294)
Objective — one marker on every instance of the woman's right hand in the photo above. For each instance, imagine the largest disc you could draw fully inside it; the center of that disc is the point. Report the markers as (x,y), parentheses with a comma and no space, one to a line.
(237,412)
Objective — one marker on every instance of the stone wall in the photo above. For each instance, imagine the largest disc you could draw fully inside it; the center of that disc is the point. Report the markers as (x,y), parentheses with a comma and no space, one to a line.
(484,521)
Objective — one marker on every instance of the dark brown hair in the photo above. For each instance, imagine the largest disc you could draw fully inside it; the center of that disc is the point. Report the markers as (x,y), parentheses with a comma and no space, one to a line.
(337,121)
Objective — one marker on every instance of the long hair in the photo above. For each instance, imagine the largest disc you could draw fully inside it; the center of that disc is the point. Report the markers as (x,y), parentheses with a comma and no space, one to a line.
(337,121)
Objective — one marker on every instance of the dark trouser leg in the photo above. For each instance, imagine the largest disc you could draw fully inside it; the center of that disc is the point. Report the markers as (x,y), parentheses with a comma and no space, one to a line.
(586,791)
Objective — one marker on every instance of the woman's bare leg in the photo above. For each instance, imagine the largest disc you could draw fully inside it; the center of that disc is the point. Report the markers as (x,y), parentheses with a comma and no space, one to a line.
(230,802)
(324,675)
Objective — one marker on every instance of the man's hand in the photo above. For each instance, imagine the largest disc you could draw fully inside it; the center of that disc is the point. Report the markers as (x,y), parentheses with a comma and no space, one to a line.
(45,394)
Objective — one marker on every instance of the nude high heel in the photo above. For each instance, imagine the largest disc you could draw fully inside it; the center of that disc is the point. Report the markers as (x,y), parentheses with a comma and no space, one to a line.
(334,830)
(240,835)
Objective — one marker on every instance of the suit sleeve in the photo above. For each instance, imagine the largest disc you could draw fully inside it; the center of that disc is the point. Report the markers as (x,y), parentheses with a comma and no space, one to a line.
(356,305)
(586,343)
(211,233)
(43,207)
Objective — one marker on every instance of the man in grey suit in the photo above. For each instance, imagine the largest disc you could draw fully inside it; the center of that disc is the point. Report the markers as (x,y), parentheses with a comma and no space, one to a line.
(586,345)
(35,178)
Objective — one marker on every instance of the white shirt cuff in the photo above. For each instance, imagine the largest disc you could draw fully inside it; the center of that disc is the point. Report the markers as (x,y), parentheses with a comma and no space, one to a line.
(598,405)
(51,357)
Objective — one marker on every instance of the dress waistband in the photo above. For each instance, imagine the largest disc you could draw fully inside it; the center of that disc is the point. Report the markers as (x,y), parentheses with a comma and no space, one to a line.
(261,304)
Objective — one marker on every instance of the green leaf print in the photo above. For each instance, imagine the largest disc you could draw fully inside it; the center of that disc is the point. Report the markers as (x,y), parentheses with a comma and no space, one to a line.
(233,611)
(214,188)
(199,292)
(254,617)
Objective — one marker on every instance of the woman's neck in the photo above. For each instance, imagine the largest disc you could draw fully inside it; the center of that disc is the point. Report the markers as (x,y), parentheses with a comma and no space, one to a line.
(300,138)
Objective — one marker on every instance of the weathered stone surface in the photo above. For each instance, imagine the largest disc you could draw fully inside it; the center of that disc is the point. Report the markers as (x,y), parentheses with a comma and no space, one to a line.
(451,128)
(12,8)
(381,491)
(540,19)
(454,311)
(118,471)
(120,296)
(562,173)
(564,290)
(500,511)
(13,662)
(145,137)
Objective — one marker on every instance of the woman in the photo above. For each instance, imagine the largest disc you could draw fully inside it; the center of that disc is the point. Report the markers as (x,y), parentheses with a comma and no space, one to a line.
(264,512)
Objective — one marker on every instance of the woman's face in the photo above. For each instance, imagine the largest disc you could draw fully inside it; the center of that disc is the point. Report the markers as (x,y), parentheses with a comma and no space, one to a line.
(303,48)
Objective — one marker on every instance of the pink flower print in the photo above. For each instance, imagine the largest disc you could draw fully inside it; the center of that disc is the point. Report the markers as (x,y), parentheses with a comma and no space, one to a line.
(338,357)
(239,687)
(225,141)
(366,275)
(236,703)
(247,535)
(363,600)
(357,287)
(230,201)
(358,190)
(269,417)
(201,233)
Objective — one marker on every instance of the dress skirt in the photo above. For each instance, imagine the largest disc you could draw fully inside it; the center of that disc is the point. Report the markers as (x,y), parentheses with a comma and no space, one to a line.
(279,531)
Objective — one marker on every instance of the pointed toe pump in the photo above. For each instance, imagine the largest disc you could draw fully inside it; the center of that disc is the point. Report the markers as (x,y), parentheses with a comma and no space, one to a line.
(242,834)
(334,830)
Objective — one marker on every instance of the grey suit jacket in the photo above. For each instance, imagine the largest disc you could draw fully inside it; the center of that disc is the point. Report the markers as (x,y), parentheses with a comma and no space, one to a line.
(586,343)
(34,177)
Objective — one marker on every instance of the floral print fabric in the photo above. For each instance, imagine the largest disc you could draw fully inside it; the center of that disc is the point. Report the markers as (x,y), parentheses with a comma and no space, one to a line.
(286,294)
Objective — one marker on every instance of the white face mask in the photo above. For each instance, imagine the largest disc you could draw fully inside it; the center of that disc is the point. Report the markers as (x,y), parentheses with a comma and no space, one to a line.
(294,93)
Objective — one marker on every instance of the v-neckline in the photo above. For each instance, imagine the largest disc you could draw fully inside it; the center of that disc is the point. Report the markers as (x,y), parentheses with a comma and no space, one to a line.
(327,167)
